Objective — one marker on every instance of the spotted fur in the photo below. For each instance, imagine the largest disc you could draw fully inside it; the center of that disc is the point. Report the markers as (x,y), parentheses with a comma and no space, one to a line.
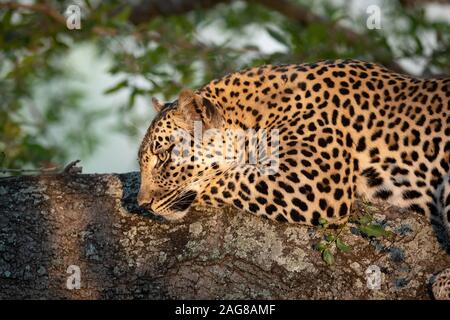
(346,128)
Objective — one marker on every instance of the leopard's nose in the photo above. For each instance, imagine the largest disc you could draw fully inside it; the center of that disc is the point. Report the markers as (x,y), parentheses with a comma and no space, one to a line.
(144,201)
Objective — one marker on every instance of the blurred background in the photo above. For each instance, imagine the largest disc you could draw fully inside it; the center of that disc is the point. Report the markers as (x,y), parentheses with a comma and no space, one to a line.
(71,91)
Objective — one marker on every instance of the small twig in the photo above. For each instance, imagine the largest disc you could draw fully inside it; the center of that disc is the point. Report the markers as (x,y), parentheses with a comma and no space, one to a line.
(341,228)
(7,170)
(71,168)
(337,235)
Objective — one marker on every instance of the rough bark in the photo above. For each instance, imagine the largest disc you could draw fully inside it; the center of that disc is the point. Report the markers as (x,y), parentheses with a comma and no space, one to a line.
(48,223)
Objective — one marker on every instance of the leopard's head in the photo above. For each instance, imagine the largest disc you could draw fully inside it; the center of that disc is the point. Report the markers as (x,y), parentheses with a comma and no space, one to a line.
(173,167)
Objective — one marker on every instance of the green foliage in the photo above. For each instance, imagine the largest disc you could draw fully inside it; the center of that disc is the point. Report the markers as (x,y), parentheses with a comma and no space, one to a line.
(328,256)
(342,245)
(329,241)
(169,53)
(332,239)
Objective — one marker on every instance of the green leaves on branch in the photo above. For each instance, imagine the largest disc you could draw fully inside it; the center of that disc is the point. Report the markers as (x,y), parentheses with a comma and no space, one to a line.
(364,224)
(327,255)
(330,240)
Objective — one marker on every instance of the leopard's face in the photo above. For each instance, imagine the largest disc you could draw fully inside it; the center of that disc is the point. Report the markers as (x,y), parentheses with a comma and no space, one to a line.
(173,172)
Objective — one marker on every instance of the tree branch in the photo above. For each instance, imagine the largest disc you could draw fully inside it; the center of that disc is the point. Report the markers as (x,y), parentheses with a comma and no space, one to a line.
(51,222)
(304,16)
(413,3)
(38,7)
(148,9)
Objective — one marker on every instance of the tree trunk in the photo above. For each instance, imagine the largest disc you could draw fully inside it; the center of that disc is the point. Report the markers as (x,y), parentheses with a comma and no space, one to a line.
(51,222)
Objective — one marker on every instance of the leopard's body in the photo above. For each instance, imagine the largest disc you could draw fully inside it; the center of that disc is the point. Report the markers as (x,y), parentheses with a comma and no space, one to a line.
(346,128)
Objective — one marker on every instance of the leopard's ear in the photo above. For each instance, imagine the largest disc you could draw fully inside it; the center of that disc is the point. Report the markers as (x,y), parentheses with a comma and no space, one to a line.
(187,108)
(186,100)
(194,107)
(157,105)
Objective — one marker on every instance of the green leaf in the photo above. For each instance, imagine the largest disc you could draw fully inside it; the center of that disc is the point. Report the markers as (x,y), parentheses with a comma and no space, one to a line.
(328,257)
(323,221)
(123,15)
(116,87)
(321,247)
(373,230)
(342,245)
(88,4)
(132,98)
(329,238)
(365,220)
(277,36)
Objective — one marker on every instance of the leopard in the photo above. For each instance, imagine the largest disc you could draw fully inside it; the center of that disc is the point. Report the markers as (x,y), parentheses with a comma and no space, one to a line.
(346,128)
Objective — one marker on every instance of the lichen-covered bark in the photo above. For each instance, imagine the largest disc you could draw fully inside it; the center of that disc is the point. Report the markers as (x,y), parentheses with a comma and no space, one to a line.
(48,223)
